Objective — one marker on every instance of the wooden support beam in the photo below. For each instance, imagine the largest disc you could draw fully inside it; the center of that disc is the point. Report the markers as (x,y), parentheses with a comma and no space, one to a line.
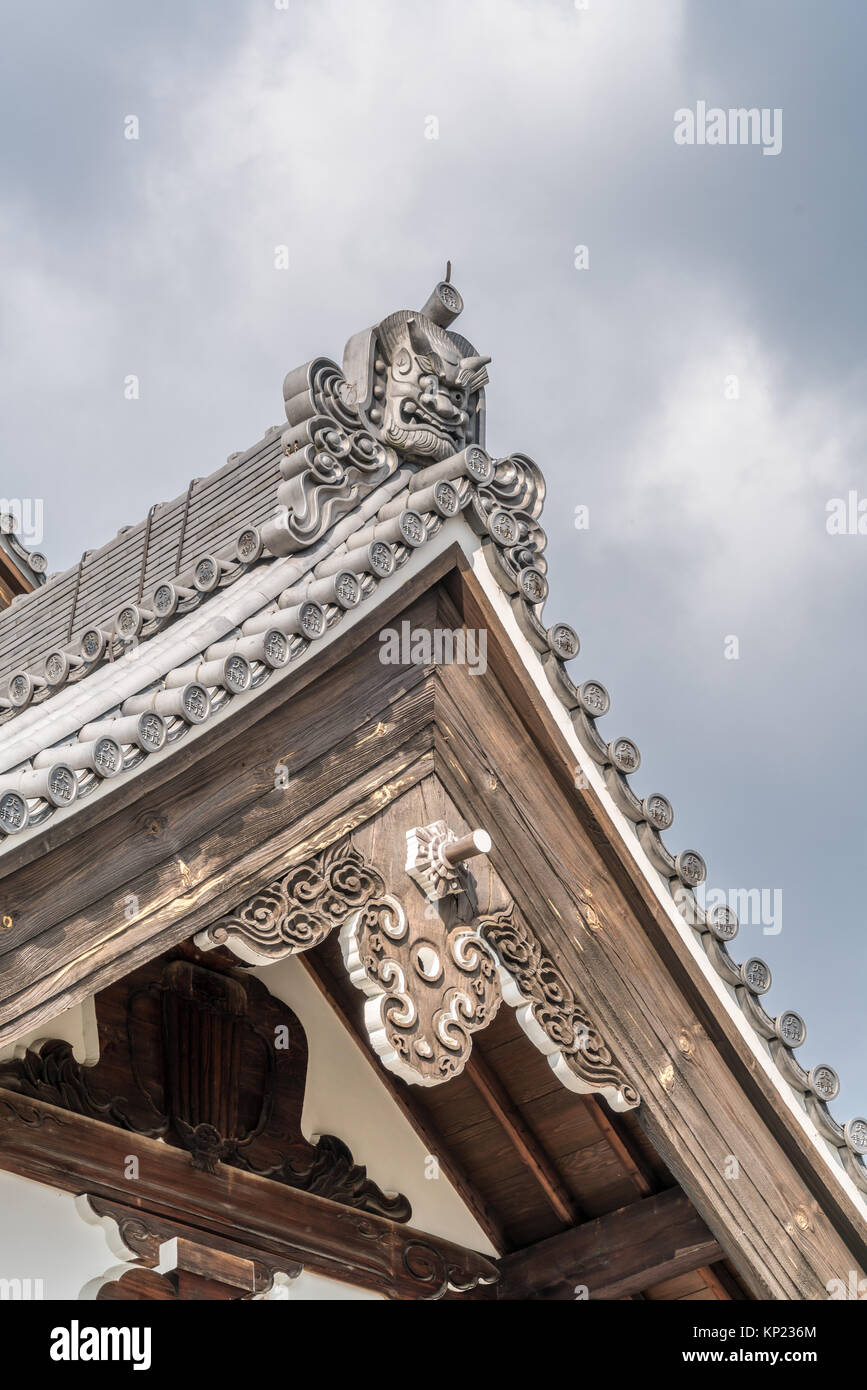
(617,1255)
(612,1128)
(522,1138)
(81,1155)
(171,1259)
(188,1271)
(505,760)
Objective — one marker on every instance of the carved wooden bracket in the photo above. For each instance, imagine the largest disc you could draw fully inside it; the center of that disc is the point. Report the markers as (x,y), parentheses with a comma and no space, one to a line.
(299,909)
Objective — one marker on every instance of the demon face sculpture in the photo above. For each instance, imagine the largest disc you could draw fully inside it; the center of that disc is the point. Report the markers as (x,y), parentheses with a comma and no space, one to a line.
(428,387)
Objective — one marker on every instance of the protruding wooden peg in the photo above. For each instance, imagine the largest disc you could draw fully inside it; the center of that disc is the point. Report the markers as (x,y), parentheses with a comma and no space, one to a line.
(477,842)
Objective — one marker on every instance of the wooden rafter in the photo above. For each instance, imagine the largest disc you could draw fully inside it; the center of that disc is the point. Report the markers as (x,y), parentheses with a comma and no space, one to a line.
(532,1154)
(639,1170)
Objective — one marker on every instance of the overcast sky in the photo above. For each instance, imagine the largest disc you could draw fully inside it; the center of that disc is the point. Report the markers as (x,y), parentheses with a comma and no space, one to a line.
(307,127)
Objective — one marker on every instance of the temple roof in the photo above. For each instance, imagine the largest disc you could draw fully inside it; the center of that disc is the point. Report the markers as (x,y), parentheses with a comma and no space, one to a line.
(185,617)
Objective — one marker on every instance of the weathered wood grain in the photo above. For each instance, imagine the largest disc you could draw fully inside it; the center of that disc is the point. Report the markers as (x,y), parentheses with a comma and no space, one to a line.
(179,901)
(693,1108)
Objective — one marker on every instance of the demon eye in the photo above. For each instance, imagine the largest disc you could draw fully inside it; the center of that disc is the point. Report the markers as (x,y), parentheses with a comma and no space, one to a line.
(428,383)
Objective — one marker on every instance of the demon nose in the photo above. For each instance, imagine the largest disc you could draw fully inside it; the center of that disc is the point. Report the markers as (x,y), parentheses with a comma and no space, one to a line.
(445,406)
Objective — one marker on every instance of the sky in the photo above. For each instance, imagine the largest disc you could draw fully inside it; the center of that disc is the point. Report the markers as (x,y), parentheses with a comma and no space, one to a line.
(694,377)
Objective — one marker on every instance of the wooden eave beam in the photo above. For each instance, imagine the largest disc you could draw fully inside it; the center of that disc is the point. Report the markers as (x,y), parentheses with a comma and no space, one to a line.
(693,1118)
(81,1155)
(614,1256)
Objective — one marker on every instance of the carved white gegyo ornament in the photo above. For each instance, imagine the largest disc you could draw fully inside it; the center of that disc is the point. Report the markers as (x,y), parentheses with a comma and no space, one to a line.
(430,980)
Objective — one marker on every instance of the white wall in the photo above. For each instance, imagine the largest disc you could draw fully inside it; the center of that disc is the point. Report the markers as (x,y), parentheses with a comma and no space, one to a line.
(42,1236)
